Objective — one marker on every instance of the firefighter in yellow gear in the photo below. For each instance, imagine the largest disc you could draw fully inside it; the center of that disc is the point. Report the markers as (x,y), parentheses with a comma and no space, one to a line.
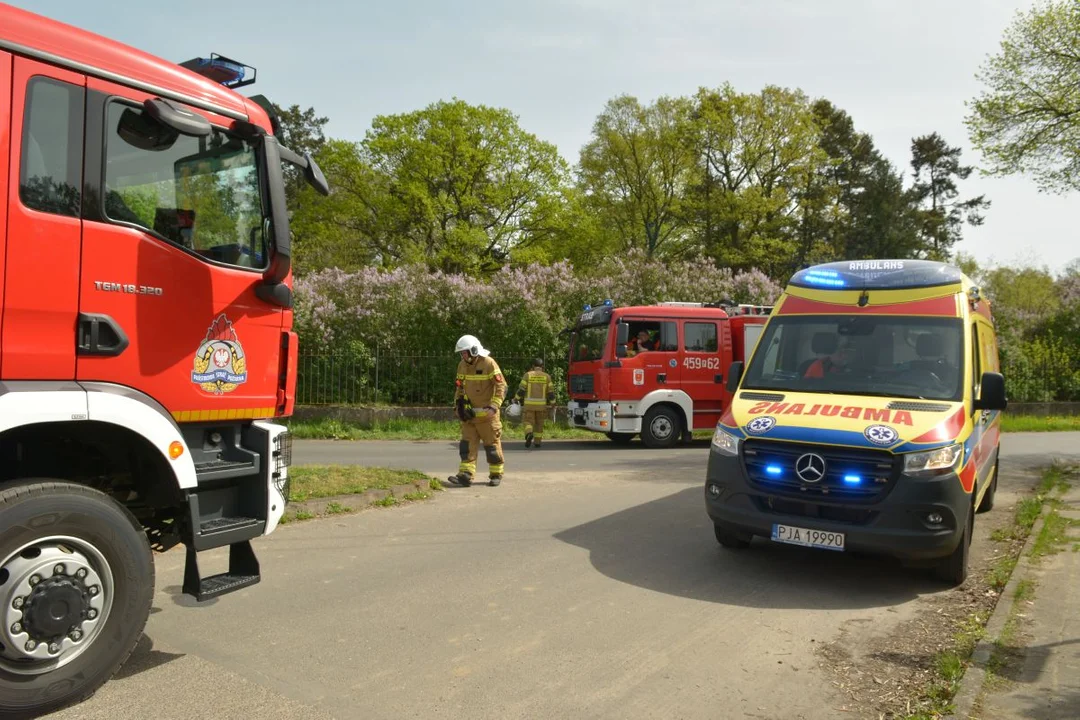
(537,394)
(480,392)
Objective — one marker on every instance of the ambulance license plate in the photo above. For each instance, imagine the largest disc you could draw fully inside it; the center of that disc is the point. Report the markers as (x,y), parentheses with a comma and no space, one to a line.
(808,538)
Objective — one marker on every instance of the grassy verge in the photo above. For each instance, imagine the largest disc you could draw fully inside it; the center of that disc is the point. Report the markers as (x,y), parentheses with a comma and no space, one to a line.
(951,663)
(312,482)
(1033,423)
(420,430)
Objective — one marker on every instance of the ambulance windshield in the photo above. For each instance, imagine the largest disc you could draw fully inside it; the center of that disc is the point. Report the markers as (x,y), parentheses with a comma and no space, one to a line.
(891,356)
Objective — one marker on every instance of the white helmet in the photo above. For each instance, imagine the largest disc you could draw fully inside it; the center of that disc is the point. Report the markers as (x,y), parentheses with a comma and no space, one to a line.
(514,411)
(469,344)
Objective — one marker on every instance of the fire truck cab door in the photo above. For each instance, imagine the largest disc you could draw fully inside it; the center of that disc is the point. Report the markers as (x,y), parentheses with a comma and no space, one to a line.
(173,249)
(41,267)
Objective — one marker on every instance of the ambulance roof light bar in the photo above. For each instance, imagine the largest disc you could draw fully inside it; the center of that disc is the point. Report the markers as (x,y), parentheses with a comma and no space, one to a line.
(223,70)
(877,275)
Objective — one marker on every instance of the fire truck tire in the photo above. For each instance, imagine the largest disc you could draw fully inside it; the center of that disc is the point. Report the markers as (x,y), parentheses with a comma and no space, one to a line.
(76,584)
(661,427)
(953,569)
(987,503)
(621,438)
(731,538)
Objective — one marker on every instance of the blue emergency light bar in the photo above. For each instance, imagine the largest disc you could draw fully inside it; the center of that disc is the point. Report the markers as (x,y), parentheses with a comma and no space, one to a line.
(877,275)
(607,303)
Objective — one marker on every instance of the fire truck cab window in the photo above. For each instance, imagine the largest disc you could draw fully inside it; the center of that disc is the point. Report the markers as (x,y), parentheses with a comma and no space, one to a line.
(654,336)
(700,337)
(202,194)
(52,148)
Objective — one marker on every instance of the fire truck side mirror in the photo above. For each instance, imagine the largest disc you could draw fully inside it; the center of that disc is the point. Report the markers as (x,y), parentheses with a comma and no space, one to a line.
(735,372)
(622,336)
(176,117)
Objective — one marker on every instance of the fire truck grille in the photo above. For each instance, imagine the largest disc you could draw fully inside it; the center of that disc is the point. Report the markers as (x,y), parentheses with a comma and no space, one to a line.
(583,384)
(849,475)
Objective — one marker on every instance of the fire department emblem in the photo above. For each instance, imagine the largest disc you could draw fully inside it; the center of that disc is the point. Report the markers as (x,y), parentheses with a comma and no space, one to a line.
(220,365)
(882,435)
(761,425)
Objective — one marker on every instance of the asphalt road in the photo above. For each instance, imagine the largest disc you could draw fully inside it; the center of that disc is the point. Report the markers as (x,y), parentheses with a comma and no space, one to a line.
(588,585)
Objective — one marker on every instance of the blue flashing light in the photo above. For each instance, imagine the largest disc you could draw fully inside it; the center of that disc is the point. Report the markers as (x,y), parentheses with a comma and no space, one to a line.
(588,307)
(828,278)
(884,274)
(773,470)
(853,479)
(608,303)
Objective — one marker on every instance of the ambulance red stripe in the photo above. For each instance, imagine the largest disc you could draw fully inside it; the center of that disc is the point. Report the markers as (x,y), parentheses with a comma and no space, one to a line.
(937,307)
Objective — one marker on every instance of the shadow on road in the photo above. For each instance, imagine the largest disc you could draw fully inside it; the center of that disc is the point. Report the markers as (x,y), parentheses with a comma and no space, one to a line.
(668,546)
(144,657)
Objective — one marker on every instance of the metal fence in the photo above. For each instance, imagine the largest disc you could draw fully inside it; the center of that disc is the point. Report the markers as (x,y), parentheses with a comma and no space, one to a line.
(425,378)
(375,377)
(1040,382)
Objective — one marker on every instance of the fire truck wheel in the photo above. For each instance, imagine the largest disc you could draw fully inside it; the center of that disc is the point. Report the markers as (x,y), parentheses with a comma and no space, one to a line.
(661,427)
(76,583)
(620,438)
(954,568)
(987,503)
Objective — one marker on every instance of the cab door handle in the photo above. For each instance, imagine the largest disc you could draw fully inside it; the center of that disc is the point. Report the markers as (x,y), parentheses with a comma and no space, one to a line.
(99,335)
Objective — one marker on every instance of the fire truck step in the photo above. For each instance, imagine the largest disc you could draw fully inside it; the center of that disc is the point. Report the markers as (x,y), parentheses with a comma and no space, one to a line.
(243,572)
(224,524)
(220,469)
(221,531)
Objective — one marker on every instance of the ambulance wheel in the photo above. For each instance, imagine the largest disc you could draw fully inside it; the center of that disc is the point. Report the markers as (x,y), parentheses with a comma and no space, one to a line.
(987,503)
(953,569)
(621,438)
(661,427)
(731,538)
(76,584)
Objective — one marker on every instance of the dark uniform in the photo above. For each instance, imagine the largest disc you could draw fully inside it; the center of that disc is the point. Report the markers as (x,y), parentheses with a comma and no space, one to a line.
(480,392)
(536,395)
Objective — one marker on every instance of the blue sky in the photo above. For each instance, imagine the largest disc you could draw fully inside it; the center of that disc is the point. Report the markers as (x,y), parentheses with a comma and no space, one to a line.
(900,69)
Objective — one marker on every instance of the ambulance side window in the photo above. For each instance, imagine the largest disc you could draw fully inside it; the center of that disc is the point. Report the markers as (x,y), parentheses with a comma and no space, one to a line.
(52,148)
(976,364)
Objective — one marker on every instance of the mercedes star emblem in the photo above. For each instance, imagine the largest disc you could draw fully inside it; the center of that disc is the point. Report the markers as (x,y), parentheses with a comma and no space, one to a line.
(810,467)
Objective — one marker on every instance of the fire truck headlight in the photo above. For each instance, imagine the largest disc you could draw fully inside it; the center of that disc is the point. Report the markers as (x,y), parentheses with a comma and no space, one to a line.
(600,413)
(935,462)
(725,443)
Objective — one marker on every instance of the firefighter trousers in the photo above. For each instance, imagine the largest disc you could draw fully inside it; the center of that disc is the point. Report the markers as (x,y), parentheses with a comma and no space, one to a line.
(533,418)
(485,430)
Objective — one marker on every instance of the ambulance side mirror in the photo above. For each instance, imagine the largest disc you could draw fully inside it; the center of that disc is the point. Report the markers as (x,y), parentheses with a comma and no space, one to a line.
(735,371)
(991,392)
(622,336)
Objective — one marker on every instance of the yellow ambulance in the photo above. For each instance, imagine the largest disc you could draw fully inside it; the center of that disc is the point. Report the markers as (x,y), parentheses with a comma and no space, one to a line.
(866,419)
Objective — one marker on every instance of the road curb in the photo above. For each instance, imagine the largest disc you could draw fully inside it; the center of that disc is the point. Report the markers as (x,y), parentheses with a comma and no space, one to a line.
(971,684)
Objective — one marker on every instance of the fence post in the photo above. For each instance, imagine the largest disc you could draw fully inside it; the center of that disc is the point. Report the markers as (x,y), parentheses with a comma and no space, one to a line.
(376,372)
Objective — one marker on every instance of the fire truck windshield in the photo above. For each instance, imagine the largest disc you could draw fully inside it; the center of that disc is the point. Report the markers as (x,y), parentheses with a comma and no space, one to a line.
(589,343)
(893,356)
(202,193)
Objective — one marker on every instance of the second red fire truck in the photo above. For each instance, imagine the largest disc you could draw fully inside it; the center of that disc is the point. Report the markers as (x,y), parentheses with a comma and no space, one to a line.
(657,370)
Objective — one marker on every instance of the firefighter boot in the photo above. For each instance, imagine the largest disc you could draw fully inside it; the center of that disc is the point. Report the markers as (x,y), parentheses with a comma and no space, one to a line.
(494,480)
(461,480)
(528,439)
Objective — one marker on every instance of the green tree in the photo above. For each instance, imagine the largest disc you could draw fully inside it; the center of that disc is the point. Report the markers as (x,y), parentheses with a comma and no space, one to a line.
(941,216)
(757,155)
(635,169)
(301,131)
(867,211)
(1027,118)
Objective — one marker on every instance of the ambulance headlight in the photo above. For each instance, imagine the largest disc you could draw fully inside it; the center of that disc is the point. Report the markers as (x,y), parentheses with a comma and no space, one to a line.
(935,462)
(725,443)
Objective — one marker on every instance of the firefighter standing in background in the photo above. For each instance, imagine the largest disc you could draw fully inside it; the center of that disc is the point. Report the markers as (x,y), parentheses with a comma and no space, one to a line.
(537,394)
(480,392)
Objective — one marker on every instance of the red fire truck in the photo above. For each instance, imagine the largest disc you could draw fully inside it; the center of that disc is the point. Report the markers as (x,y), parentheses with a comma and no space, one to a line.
(146,342)
(668,385)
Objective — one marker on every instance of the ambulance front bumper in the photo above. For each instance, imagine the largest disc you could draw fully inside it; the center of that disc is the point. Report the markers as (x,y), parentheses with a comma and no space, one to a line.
(910,518)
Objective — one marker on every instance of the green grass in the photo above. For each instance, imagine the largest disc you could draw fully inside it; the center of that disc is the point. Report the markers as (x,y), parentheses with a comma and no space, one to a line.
(418,430)
(321,481)
(1034,423)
